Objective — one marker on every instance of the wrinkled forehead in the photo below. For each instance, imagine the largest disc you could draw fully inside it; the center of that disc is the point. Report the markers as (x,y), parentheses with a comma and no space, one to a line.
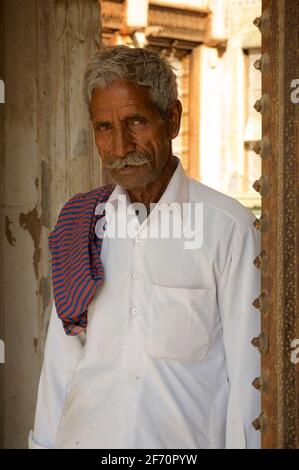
(121,98)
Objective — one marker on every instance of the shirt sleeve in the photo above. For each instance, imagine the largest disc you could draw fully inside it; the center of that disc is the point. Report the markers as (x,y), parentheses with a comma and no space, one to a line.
(240,285)
(60,357)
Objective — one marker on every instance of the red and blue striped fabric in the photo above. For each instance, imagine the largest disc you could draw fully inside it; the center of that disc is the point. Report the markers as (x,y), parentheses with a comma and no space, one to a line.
(77,269)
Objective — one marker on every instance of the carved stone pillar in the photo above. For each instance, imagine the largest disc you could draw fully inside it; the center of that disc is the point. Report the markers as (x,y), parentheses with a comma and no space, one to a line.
(279,224)
(48,155)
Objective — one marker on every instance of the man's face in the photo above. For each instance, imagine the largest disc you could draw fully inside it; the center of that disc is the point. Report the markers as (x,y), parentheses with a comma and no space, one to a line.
(133,139)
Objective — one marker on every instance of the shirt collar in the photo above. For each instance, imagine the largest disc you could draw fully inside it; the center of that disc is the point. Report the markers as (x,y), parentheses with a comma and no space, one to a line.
(176,190)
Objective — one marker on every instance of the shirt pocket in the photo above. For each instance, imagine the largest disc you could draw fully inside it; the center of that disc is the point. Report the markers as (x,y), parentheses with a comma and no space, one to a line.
(181,322)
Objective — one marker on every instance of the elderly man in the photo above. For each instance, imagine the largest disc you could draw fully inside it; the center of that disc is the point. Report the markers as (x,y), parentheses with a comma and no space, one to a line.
(149,341)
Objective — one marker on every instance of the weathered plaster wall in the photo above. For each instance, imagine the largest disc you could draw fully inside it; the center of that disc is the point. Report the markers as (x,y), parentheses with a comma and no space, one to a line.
(48,155)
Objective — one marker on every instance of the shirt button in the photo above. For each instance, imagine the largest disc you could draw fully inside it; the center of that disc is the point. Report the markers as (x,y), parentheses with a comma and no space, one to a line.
(138,239)
(134,311)
(136,276)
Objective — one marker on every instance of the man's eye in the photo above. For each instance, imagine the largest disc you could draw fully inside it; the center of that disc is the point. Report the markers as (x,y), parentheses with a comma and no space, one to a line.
(135,122)
(103,127)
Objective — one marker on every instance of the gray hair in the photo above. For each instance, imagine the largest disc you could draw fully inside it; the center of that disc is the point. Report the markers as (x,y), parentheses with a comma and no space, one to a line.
(141,66)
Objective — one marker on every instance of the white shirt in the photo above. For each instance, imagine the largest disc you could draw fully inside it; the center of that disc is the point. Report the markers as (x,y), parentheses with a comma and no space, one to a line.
(167,360)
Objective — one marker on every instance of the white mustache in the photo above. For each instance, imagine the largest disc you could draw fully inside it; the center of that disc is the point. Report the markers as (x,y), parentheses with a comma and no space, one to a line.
(134,159)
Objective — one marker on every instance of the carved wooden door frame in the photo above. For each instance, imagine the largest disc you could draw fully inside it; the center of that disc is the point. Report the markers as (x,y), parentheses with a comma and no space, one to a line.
(279,224)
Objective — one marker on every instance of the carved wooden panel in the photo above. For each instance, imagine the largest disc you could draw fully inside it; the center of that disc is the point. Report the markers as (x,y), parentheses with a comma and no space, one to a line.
(112,15)
(279,260)
(167,26)
(178,24)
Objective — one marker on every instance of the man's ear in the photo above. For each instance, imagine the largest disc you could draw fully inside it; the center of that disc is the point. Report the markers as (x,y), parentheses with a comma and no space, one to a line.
(174,119)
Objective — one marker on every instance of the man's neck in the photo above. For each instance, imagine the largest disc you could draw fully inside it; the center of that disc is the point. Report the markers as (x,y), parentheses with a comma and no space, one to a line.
(154,190)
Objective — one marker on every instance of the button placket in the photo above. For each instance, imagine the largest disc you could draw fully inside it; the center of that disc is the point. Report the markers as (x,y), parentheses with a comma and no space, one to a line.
(136,276)
(134,311)
(135,330)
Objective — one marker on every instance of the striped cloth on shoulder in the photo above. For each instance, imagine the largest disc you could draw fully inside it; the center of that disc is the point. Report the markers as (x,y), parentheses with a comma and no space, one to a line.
(77,269)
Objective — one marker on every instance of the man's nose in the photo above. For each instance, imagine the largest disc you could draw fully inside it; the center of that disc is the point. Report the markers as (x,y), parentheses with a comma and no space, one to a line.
(122,142)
